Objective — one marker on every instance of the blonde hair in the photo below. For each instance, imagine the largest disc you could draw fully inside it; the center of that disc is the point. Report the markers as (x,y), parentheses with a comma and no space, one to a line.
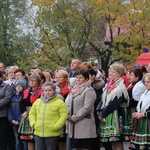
(63,73)
(147,75)
(14,68)
(118,67)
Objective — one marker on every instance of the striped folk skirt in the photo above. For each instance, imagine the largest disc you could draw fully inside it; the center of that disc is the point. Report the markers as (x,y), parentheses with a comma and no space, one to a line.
(141,135)
(25,131)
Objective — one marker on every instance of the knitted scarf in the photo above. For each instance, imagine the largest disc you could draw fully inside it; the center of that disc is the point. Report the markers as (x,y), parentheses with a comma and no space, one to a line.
(79,88)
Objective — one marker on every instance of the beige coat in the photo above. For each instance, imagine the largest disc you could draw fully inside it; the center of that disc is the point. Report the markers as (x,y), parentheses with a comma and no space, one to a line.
(81,108)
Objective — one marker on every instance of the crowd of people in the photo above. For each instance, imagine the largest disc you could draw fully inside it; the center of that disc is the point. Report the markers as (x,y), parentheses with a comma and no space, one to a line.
(75,108)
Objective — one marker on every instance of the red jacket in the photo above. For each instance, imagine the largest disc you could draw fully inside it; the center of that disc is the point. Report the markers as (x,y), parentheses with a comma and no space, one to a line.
(34,96)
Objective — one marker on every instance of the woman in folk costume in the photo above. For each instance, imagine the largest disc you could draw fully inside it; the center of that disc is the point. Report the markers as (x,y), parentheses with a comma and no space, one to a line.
(135,76)
(111,110)
(30,95)
(141,132)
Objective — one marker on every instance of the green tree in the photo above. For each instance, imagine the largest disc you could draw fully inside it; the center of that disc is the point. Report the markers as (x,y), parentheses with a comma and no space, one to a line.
(12,38)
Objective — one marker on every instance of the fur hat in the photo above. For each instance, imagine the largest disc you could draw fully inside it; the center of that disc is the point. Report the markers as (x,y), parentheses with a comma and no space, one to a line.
(21,82)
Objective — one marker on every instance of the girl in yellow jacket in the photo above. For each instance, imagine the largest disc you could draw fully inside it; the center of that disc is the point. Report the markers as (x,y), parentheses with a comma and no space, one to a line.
(47,117)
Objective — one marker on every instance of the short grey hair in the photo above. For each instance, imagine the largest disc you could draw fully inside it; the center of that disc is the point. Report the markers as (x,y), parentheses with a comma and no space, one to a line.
(36,76)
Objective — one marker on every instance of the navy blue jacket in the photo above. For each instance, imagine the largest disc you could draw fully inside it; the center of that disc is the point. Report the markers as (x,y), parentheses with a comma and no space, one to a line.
(14,112)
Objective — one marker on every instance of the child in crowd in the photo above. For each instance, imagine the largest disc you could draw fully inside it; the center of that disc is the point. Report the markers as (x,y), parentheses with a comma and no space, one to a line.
(14,114)
(47,117)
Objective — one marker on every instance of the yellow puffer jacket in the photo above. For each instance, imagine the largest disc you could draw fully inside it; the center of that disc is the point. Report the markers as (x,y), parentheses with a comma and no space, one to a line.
(47,119)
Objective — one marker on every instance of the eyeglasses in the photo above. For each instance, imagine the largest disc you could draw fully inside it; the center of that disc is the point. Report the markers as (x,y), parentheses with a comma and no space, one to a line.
(18,75)
(33,81)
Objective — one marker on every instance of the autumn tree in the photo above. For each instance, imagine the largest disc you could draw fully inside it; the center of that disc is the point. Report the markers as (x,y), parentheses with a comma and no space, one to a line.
(128,28)
(66,29)
(80,29)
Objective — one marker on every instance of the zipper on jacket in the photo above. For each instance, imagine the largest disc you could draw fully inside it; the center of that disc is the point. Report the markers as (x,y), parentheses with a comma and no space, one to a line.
(43,120)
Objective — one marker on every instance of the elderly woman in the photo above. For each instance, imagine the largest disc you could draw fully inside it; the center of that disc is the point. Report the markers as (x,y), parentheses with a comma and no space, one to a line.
(11,76)
(141,133)
(30,95)
(111,108)
(80,104)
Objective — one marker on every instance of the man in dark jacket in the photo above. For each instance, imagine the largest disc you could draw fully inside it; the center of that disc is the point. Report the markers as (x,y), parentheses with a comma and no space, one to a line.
(5,95)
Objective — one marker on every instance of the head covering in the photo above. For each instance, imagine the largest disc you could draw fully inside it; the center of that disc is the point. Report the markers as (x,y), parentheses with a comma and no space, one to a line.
(137,65)
(21,82)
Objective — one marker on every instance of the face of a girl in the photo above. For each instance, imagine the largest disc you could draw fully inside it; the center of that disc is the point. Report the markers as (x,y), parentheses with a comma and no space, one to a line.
(113,74)
(132,78)
(49,91)
(60,78)
(80,79)
(147,83)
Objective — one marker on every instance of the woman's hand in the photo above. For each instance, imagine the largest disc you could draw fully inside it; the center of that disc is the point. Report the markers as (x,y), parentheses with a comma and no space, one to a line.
(100,118)
(69,119)
(15,122)
(137,115)
(103,120)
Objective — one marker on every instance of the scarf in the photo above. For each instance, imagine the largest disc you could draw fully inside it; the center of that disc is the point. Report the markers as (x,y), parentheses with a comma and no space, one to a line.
(131,86)
(113,89)
(79,88)
(34,92)
(144,102)
(64,87)
(112,84)
(34,95)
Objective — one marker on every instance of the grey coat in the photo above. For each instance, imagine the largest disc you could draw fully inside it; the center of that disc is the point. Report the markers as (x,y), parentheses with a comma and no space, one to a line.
(81,108)
(5,96)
